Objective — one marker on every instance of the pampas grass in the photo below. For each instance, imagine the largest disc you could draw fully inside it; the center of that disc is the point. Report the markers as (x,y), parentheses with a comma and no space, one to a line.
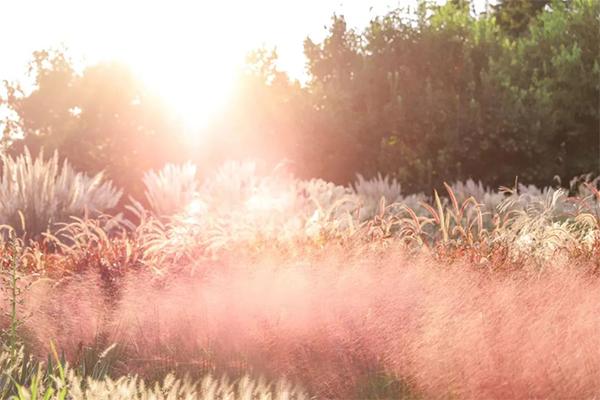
(171,189)
(36,194)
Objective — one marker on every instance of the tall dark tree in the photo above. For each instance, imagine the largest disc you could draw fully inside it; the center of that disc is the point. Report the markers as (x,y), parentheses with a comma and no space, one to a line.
(514,16)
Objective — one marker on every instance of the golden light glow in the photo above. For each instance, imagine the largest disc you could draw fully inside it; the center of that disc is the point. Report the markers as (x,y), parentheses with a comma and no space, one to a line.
(189,52)
(181,51)
(194,92)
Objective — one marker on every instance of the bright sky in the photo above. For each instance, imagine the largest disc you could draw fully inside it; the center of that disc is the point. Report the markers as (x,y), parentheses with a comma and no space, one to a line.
(179,48)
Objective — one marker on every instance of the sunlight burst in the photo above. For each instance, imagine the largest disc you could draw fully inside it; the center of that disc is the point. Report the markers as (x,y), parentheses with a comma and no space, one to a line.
(195,94)
(180,52)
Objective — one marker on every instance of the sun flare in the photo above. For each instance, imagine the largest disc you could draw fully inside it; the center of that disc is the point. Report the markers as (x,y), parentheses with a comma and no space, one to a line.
(185,66)
(189,53)
(194,94)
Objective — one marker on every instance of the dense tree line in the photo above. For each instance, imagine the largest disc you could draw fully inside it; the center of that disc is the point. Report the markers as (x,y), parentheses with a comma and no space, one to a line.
(437,94)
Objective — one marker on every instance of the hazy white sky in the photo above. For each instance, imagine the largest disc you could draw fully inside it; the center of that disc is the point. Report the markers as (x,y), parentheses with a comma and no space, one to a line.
(175,46)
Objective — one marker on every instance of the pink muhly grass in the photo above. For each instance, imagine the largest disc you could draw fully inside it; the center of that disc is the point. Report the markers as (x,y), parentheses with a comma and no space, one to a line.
(326,321)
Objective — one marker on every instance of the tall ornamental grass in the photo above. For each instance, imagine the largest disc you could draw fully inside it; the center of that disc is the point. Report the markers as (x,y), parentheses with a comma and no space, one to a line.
(171,189)
(38,193)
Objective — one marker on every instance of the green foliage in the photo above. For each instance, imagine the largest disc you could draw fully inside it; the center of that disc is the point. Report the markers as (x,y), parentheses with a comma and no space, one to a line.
(432,95)
(548,90)
(382,386)
(36,194)
(11,277)
(444,95)
(514,16)
(17,368)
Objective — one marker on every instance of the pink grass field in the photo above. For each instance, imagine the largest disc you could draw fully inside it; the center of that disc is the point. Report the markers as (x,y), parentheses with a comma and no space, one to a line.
(449,331)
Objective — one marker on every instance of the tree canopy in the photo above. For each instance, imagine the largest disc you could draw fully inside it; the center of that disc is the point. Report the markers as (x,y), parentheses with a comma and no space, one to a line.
(437,94)
(100,119)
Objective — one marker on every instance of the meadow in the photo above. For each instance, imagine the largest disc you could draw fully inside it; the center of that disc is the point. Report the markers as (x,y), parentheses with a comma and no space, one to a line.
(253,284)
